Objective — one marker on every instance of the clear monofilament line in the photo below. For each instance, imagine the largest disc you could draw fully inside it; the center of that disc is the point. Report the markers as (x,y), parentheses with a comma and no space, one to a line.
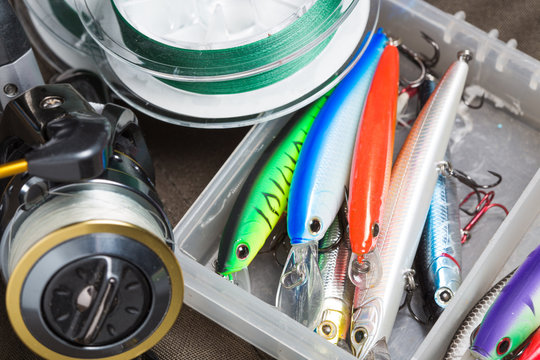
(64,209)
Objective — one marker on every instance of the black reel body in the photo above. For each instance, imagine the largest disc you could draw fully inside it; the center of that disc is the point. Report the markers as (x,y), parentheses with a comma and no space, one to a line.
(86,247)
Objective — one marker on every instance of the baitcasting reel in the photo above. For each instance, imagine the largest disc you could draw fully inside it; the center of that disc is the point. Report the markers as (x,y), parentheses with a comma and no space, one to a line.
(86,247)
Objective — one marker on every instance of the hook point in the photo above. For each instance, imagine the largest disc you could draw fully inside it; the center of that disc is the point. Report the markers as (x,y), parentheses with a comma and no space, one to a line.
(474,106)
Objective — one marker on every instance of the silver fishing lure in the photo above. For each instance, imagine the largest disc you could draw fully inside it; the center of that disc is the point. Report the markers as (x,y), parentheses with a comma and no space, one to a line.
(463,337)
(413,179)
(334,255)
(439,252)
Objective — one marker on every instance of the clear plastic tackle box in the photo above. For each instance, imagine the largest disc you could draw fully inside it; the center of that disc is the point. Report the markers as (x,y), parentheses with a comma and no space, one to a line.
(503,136)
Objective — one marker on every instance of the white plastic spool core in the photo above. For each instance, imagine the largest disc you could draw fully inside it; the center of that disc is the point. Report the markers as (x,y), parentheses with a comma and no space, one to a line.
(210,24)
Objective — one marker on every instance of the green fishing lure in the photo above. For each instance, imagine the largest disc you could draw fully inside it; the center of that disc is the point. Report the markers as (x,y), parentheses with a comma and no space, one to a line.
(263,197)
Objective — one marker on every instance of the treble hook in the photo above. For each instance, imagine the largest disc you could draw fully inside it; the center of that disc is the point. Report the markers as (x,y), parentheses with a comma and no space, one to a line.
(422,60)
(483,206)
(410,287)
(278,240)
(447,170)
(431,62)
(416,58)
(283,242)
(475,106)
(467,180)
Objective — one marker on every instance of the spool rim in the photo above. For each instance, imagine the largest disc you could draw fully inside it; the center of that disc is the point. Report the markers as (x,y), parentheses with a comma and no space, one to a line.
(47,243)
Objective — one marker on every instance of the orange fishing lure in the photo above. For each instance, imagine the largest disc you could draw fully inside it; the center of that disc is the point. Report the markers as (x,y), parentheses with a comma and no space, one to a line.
(372,159)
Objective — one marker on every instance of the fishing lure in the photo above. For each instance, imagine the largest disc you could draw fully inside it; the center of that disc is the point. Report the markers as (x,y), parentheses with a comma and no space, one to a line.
(463,337)
(318,184)
(514,316)
(372,163)
(334,257)
(532,351)
(411,186)
(263,196)
(439,252)
(323,168)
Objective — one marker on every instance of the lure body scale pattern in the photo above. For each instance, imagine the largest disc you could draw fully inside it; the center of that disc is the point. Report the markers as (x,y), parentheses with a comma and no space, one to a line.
(337,289)
(439,252)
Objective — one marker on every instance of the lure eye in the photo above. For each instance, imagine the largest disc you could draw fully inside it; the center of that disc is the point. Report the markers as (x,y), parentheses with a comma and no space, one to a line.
(327,329)
(315,226)
(360,335)
(445,296)
(375,229)
(503,346)
(364,266)
(242,251)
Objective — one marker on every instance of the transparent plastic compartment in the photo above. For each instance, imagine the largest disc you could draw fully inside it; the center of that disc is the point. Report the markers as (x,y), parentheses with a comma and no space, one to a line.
(503,136)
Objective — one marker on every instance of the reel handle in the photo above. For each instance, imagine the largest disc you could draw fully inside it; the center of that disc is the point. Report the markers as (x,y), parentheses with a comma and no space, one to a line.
(69,141)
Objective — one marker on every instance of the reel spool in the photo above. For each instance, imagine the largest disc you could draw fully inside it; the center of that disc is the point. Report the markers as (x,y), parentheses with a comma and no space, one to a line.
(88,262)
(223,63)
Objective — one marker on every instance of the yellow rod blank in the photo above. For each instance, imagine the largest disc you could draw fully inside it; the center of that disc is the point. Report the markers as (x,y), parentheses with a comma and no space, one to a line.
(13,168)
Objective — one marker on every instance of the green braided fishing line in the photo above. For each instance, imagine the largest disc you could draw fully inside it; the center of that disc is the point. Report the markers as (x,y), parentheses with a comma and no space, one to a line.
(252,82)
(218,62)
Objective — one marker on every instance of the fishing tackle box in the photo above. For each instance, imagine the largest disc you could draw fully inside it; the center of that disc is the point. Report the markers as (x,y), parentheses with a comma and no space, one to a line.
(503,136)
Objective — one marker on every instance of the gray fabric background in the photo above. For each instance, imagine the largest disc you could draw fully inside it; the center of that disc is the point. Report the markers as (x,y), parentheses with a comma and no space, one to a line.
(186,160)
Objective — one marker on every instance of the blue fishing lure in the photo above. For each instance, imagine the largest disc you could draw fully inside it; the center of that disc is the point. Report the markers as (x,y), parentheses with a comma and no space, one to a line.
(323,168)
(439,253)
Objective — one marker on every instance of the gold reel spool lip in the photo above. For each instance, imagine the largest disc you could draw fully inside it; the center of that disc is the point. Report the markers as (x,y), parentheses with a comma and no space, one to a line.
(37,251)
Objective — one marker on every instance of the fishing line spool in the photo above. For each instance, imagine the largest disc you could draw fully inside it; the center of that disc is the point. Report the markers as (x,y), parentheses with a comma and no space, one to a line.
(220,63)
(86,247)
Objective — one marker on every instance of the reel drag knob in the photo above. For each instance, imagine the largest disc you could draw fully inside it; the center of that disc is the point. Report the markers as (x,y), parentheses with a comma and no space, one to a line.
(96,301)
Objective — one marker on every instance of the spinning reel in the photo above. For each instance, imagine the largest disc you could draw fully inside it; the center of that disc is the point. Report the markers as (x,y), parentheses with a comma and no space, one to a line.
(86,248)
